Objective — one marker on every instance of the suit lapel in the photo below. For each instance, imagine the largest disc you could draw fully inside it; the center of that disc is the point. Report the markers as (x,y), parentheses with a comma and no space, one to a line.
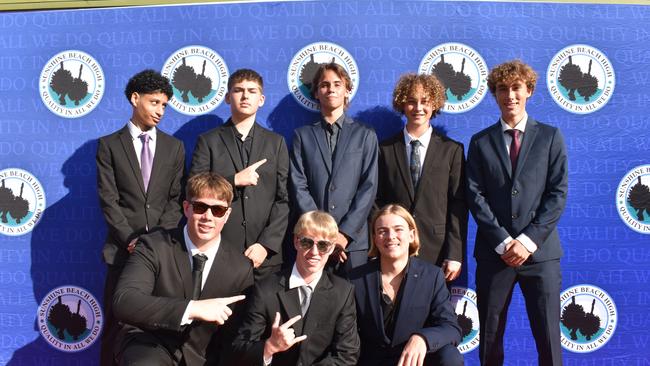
(402,327)
(342,143)
(432,152)
(290,303)
(129,150)
(319,306)
(399,150)
(218,279)
(228,137)
(160,156)
(256,148)
(499,146)
(319,138)
(373,291)
(182,259)
(526,145)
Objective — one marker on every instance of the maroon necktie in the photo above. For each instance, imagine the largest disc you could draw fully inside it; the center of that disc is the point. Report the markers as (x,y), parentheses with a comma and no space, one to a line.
(515,145)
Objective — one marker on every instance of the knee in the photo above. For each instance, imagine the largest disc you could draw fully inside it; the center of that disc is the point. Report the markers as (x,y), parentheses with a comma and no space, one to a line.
(448,356)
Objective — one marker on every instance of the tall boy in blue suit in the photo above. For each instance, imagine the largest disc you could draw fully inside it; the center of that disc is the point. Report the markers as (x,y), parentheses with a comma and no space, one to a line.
(517,188)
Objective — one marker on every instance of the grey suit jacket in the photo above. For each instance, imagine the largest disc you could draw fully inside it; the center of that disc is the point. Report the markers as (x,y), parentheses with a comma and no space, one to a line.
(127,208)
(529,200)
(259,213)
(344,185)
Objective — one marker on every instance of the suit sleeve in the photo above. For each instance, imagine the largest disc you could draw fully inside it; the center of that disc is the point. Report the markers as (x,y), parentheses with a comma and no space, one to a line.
(478,204)
(133,302)
(553,199)
(345,346)
(109,196)
(382,184)
(441,326)
(457,215)
(273,233)
(171,213)
(298,179)
(364,197)
(248,345)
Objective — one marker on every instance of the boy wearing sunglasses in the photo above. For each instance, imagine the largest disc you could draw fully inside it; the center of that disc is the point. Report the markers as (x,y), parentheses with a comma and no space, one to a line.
(256,162)
(304,316)
(174,292)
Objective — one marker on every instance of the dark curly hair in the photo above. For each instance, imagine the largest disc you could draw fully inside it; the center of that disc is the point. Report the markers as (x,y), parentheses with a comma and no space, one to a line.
(432,87)
(245,75)
(509,72)
(148,82)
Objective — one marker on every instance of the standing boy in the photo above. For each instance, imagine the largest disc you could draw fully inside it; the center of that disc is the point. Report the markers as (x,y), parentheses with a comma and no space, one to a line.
(255,161)
(517,179)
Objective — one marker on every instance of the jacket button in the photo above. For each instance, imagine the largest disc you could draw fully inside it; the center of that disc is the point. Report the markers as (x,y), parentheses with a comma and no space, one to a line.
(332,188)
(515,192)
(245,197)
(148,206)
(514,216)
(333,207)
(243,223)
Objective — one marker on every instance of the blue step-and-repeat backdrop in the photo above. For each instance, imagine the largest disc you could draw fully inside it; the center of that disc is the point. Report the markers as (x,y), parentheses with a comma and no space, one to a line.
(62,76)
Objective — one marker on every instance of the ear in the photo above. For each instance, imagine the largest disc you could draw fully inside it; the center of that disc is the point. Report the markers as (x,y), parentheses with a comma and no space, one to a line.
(187,209)
(135,97)
(262,99)
(296,242)
(227,98)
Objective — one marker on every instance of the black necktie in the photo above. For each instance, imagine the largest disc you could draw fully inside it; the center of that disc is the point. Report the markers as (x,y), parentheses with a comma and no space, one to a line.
(514,147)
(198,261)
(415,161)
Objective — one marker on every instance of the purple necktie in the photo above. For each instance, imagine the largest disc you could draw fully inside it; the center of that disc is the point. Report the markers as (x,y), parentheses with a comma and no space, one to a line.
(514,148)
(146,160)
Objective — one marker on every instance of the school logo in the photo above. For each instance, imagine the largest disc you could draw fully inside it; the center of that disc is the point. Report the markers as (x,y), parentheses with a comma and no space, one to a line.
(464,302)
(71,84)
(588,318)
(22,201)
(461,70)
(199,77)
(580,79)
(70,318)
(306,62)
(633,199)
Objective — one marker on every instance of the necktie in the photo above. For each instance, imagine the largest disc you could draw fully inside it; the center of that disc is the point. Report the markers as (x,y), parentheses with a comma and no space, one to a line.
(306,299)
(333,130)
(146,160)
(198,261)
(515,145)
(415,161)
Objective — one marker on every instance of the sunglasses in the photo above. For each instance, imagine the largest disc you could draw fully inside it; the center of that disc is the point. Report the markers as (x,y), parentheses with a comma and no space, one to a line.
(217,210)
(322,245)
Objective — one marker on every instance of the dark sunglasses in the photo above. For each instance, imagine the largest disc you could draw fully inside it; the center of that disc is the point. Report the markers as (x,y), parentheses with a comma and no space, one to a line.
(200,208)
(322,245)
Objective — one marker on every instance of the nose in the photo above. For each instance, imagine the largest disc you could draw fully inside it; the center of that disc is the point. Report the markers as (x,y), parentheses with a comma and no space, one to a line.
(392,234)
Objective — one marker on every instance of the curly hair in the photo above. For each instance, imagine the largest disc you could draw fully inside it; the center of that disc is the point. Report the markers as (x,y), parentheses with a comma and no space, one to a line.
(432,87)
(509,72)
(148,82)
(245,75)
(338,70)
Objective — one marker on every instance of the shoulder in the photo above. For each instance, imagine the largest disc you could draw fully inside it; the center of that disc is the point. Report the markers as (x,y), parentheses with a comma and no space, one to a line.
(359,126)
(484,132)
(543,127)
(394,139)
(358,273)
(339,284)
(267,134)
(160,240)
(447,142)
(114,135)
(167,138)
(213,132)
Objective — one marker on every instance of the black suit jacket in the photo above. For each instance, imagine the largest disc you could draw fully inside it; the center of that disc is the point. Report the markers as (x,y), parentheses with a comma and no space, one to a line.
(425,309)
(437,203)
(344,185)
(127,208)
(330,323)
(529,201)
(156,286)
(259,213)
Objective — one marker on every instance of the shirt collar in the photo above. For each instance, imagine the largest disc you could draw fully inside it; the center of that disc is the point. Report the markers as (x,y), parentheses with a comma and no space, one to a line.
(338,122)
(296,280)
(192,249)
(135,131)
(424,139)
(521,125)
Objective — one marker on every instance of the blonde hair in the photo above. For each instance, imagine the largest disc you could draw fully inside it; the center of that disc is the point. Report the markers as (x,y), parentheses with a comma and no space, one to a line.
(208,184)
(397,210)
(318,223)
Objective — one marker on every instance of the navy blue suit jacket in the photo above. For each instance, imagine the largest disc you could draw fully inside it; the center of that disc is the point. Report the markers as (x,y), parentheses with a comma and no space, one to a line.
(344,185)
(425,310)
(528,201)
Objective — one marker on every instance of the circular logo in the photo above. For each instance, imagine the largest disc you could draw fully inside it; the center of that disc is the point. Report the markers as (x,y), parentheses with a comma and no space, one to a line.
(22,201)
(588,318)
(580,79)
(70,318)
(633,199)
(306,62)
(461,70)
(199,77)
(464,302)
(71,84)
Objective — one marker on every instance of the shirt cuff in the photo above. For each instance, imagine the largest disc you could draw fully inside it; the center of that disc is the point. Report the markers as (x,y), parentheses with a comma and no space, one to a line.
(501,248)
(185,320)
(527,243)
